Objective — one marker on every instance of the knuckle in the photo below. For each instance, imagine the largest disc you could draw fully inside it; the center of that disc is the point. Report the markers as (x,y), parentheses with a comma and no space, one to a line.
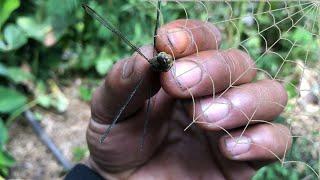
(278,90)
(215,32)
(269,139)
(247,61)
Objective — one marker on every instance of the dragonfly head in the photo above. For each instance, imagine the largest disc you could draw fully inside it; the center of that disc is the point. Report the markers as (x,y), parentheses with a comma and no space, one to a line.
(162,62)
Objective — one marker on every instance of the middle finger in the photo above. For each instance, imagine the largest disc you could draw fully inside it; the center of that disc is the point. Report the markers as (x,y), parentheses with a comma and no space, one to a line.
(207,73)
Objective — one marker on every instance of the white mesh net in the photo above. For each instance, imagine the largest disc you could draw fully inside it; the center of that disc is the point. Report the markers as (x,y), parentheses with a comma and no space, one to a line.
(283,39)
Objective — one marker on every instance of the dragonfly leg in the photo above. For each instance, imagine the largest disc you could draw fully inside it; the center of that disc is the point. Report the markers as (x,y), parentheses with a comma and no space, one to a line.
(119,113)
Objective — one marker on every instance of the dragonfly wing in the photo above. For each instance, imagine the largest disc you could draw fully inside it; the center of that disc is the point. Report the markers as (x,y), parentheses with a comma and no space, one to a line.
(108,25)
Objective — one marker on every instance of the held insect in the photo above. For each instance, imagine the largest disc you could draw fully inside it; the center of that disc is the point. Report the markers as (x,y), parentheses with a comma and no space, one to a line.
(162,62)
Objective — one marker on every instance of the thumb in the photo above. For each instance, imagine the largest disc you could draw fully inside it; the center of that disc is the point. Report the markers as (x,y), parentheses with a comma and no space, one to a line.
(121,150)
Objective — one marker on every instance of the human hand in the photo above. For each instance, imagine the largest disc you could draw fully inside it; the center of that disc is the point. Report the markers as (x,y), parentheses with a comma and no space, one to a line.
(204,150)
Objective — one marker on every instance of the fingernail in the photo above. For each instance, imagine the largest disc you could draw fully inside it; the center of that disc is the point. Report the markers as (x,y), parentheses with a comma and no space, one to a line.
(179,39)
(238,145)
(215,109)
(127,68)
(187,74)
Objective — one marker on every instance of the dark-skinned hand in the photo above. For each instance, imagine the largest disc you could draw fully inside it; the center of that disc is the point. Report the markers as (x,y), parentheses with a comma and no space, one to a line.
(204,150)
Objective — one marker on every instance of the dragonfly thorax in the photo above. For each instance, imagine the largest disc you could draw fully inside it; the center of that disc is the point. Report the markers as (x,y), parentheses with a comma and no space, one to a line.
(162,62)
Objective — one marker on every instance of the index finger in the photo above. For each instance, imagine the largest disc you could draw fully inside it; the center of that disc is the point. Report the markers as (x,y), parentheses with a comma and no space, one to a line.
(186,36)
(120,83)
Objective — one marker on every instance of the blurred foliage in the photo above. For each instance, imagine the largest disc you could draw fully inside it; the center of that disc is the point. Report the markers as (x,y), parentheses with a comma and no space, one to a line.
(85,93)
(43,43)
(292,171)
(79,153)
(6,8)
(297,163)
(6,160)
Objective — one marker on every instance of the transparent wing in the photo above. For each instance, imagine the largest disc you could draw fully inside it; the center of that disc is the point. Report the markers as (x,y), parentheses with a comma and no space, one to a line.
(108,25)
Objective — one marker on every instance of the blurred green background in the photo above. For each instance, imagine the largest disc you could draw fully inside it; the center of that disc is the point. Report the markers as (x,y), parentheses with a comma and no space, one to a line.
(45,44)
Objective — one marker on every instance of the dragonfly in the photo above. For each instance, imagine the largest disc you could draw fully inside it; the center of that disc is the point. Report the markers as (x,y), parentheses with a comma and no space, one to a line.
(161,62)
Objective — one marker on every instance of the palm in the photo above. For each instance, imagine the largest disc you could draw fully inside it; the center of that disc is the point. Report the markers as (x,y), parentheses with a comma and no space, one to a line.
(191,154)
(203,151)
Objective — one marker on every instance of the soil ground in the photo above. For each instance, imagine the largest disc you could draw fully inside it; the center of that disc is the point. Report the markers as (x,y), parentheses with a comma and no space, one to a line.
(34,161)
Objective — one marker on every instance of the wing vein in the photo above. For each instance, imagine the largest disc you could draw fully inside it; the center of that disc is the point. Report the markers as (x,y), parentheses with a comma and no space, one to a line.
(114,30)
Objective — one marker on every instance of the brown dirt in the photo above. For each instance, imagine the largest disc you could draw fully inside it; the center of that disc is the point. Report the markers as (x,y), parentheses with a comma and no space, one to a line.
(304,117)
(34,161)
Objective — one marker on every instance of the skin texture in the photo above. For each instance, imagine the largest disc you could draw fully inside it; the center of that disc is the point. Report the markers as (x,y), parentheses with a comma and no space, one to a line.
(204,150)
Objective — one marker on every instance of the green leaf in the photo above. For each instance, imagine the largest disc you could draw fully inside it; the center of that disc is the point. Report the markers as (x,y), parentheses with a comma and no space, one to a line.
(3,70)
(38,116)
(60,102)
(103,65)
(87,57)
(85,93)
(44,100)
(6,8)
(4,171)
(291,90)
(14,38)
(34,29)
(10,100)
(79,153)
(3,135)
(17,75)
(6,159)
(302,36)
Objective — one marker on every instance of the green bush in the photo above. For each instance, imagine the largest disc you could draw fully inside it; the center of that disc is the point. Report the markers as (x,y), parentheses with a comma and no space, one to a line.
(42,41)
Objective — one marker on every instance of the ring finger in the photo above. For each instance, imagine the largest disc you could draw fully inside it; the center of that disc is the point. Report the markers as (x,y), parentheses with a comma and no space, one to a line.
(253,102)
